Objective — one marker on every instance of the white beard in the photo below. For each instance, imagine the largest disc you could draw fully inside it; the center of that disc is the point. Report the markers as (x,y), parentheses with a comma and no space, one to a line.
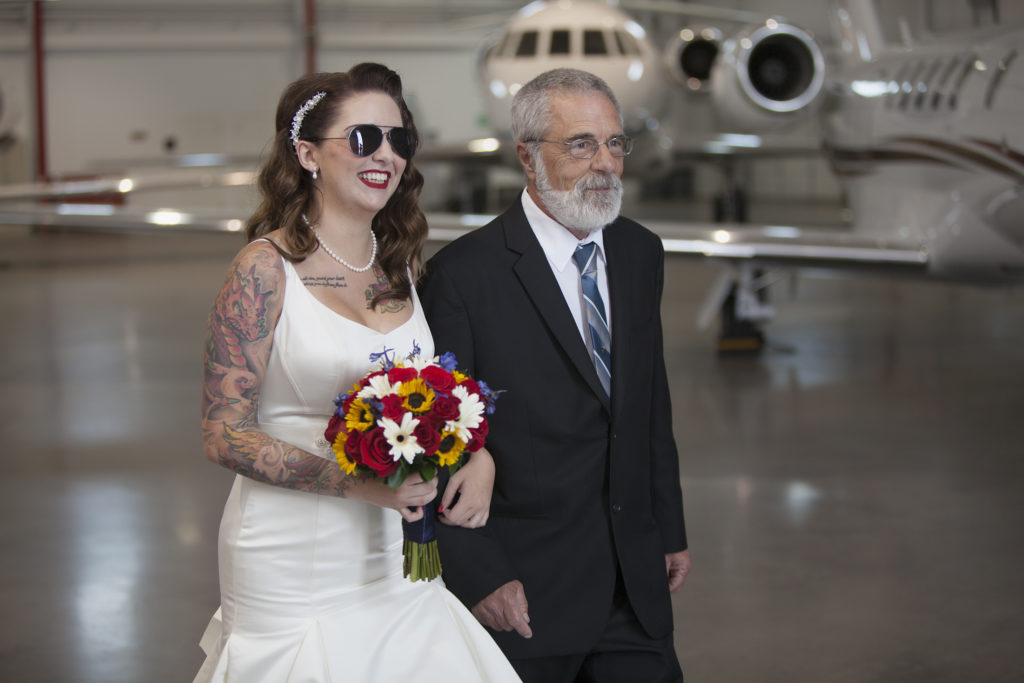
(578,209)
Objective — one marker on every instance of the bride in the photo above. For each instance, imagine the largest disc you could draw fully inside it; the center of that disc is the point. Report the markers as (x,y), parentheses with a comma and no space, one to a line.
(310,558)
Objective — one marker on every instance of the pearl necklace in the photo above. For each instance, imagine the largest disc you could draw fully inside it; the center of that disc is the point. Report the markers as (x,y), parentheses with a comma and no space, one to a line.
(330,252)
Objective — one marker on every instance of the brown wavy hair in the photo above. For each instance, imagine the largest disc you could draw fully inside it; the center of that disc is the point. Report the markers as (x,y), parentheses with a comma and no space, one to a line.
(287,188)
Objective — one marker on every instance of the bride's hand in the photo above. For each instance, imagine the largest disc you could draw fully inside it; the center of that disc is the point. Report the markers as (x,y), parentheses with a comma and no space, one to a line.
(473,482)
(409,498)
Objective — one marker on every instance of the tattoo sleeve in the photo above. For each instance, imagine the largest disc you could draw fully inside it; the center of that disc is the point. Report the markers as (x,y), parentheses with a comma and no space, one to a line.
(238,343)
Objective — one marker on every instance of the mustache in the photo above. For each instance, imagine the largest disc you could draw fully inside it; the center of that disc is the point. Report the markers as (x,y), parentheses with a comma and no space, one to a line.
(599,182)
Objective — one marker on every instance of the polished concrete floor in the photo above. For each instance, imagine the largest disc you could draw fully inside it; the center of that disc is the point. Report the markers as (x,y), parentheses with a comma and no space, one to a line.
(854,495)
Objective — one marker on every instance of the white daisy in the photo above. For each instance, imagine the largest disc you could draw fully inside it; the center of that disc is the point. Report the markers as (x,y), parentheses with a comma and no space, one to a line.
(378,387)
(471,413)
(418,362)
(400,436)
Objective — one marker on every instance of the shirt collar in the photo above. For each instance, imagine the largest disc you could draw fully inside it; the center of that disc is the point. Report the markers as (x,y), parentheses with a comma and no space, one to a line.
(557,242)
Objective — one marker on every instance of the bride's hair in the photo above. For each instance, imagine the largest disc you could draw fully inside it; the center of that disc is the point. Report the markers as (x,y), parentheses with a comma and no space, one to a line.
(287,188)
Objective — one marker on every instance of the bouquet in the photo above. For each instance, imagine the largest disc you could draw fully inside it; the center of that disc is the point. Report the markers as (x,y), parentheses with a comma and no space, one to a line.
(415,415)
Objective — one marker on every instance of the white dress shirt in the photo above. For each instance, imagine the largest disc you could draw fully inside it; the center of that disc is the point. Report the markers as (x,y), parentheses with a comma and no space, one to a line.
(558,245)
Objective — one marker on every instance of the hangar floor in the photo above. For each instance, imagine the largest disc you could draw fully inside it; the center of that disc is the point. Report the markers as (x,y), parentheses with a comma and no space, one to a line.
(853,494)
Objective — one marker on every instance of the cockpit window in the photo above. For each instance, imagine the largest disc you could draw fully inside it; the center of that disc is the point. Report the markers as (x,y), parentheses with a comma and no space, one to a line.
(627,43)
(560,44)
(593,43)
(527,44)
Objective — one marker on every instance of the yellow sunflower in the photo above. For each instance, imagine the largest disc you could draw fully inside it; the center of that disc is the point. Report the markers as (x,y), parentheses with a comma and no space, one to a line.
(346,465)
(417,396)
(450,450)
(459,377)
(358,416)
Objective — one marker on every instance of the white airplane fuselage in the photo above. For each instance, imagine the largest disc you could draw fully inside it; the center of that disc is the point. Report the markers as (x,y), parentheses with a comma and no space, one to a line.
(929,145)
(581,35)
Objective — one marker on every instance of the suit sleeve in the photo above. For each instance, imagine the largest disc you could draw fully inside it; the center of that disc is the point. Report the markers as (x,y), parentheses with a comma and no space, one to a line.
(666,492)
(474,564)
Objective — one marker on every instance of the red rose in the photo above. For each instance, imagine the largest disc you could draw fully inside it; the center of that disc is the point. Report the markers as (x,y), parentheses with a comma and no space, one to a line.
(336,425)
(441,380)
(376,452)
(427,436)
(352,447)
(445,408)
(476,437)
(391,407)
(472,386)
(396,375)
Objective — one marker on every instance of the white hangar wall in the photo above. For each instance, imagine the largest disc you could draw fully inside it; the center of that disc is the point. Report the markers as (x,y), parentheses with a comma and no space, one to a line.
(125,105)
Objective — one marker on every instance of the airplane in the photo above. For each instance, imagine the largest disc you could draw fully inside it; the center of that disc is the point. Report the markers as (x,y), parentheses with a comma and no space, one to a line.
(922,132)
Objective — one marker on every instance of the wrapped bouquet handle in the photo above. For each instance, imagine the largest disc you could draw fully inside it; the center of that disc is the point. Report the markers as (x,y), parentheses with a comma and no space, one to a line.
(420,557)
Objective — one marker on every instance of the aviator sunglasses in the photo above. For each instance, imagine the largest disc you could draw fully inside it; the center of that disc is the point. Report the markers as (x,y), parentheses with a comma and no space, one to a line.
(366,138)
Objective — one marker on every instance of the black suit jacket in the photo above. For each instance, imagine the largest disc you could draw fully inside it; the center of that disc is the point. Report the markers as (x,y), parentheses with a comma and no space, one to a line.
(584,484)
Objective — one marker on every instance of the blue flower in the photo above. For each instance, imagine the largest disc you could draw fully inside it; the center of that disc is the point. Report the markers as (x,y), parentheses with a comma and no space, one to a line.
(386,355)
(490,395)
(448,362)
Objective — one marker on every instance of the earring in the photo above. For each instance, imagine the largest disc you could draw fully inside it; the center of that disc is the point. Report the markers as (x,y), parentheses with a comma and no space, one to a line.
(314,174)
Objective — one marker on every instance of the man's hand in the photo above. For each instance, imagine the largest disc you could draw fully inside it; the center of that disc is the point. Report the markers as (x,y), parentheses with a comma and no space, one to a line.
(677,565)
(505,610)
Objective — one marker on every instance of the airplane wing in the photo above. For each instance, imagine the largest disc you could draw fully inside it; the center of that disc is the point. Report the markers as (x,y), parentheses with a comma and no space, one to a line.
(111,185)
(766,244)
(747,251)
(783,245)
(100,217)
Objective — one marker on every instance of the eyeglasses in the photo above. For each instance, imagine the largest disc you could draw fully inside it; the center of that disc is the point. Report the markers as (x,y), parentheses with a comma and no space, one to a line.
(586,148)
(366,138)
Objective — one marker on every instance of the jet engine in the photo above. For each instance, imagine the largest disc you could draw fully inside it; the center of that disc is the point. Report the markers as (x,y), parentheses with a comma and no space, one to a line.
(768,77)
(691,54)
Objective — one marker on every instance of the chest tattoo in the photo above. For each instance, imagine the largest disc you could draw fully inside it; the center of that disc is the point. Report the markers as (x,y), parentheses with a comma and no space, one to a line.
(382,285)
(332,281)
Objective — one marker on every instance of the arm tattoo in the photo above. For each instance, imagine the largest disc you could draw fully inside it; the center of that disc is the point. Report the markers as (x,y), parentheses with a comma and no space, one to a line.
(335,281)
(264,458)
(239,339)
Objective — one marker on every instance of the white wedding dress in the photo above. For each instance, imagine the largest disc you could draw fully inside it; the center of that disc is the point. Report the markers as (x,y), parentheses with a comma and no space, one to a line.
(311,585)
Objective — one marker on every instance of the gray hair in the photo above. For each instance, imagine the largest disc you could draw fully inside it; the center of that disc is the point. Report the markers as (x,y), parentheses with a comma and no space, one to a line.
(530,107)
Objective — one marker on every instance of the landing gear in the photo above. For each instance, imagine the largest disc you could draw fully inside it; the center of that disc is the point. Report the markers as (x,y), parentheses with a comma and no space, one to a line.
(737,335)
(742,307)
(739,296)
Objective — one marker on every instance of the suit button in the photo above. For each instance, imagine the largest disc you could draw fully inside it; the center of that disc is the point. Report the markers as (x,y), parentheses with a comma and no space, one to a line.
(616,508)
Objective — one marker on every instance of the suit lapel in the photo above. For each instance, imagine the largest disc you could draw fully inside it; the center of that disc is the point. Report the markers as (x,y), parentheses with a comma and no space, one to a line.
(534,273)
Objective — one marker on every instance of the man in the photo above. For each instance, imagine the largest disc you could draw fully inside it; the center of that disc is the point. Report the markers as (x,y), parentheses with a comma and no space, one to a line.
(586,538)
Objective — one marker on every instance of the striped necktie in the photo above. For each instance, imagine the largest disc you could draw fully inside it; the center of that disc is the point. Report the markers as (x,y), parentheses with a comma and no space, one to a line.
(595,321)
